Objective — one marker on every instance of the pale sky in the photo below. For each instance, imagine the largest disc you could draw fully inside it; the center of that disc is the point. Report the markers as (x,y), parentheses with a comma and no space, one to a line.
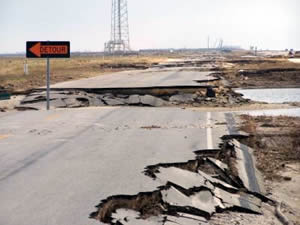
(268,24)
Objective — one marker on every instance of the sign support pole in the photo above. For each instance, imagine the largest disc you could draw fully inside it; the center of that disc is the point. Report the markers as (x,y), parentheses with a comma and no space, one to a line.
(47,50)
(48,84)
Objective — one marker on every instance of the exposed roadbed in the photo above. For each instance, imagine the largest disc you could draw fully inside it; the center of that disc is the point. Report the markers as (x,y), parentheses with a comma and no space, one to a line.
(263,73)
(276,145)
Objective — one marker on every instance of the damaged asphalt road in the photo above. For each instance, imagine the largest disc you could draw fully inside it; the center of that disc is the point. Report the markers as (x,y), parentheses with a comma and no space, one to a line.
(141,165)
(59,175)
(218,180)
(77,99)
(179,86)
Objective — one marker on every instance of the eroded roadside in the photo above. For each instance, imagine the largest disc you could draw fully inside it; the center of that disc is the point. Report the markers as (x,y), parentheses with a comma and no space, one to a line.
(276,145)
(262,73)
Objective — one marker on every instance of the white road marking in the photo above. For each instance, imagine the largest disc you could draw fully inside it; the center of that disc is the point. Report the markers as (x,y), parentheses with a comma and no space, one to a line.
(209,132)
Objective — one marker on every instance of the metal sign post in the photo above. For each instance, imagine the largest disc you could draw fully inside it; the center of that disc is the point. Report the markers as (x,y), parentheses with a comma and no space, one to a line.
(25,68)
(48,49)
(48,84)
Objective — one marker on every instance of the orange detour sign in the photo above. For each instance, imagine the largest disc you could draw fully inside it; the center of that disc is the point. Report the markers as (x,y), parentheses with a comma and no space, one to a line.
(48,49)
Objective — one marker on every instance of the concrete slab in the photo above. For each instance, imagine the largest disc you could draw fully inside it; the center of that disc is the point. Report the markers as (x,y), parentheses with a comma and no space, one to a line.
(33,98)
(248,173)
(58,103)
(183,98)
(218,163)
(114,101)
(133,100)
(182,178)
(96,102)
(37,105)
(203,201)
(42,96)
(216,182)
(192,217)
(152,101)
(235,200)
(72,102)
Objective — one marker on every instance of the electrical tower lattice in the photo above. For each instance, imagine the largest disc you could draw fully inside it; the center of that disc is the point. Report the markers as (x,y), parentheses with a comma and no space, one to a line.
(119,40)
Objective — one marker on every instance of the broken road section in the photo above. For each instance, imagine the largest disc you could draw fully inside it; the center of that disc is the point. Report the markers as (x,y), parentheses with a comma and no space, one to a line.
(195,189)
(151,97)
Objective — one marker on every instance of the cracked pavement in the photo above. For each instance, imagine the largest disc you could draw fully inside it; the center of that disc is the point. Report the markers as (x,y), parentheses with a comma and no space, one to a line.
(64,167)
(140,165)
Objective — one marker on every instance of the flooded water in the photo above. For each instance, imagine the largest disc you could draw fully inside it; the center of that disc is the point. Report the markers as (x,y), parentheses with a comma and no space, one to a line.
(275,112)
(279,95)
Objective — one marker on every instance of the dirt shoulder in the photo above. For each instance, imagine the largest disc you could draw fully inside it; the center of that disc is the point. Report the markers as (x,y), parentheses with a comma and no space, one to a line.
(12,75)
(244,107)
(262,73)
(276,145)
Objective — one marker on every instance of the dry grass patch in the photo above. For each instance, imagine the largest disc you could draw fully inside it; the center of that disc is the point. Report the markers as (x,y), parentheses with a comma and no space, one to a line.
(12,69)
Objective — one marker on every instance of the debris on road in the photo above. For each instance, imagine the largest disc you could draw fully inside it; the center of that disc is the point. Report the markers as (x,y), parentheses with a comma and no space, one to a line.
(151,127)
(79,98)
(10,104)
(192,85)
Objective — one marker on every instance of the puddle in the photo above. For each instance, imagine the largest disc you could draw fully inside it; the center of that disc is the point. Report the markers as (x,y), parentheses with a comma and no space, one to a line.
(276,95)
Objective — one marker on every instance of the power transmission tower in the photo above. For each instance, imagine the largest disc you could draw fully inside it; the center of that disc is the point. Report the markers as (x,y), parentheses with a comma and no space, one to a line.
(119,40)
